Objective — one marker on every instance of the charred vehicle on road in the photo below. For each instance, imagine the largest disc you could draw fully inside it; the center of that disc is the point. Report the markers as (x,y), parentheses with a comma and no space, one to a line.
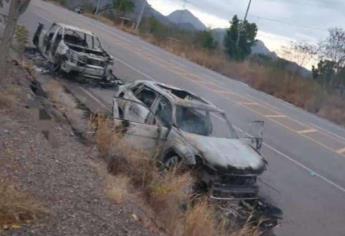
(178,127)
(74,50)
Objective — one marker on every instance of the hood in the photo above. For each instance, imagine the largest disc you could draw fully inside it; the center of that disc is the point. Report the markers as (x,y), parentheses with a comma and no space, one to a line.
(227,154)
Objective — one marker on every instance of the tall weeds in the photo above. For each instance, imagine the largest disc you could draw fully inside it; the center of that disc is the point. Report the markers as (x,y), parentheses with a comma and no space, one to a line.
(17,208)
(167,192)
(277,81)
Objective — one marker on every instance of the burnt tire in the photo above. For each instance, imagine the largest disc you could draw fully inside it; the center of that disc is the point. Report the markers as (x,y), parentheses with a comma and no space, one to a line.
(56,67)
(37,34)
(171,161)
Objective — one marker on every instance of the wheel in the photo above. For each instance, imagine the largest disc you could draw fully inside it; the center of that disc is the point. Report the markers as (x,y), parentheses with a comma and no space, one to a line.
(56,67)
(171,161)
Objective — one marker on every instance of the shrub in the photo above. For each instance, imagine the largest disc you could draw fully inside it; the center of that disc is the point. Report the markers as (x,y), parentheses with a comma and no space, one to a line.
(7,100)
(17,208)
(117,188)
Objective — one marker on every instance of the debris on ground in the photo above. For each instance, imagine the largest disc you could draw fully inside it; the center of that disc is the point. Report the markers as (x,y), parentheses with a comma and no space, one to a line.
(43,157)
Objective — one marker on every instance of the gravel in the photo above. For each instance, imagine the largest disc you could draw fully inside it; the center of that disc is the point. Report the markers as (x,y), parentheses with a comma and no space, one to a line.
(58,171)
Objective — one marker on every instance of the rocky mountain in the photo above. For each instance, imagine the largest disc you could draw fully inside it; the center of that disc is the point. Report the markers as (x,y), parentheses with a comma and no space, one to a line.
(261,49)
(186,20)
(106,5)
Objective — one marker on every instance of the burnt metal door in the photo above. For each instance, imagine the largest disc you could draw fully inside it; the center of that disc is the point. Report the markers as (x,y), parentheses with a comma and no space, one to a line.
(254,134)
(138,126)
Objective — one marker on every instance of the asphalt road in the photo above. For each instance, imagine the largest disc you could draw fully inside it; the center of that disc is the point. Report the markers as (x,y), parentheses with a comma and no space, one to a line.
(306,154)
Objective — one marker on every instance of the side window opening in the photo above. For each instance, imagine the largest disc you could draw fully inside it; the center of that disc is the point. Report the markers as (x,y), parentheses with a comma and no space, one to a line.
(136,89)
(164,111)
(147,96)
(50,35)
(57,41)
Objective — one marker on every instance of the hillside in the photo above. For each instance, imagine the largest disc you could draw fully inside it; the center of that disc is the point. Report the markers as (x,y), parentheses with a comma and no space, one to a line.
(106,5)
(186,20)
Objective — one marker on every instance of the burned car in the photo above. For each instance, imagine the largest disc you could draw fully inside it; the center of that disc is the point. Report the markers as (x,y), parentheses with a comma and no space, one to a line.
(177,126)
(74,50)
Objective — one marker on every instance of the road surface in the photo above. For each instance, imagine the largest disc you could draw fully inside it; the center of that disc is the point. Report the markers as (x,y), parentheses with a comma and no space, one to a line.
(306,154)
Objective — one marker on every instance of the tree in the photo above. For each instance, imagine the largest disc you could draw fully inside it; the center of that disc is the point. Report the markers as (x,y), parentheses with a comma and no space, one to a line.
(239,51)
(324,72)
(16,8)
(333,48)
(303,53)
(330,70)
(206,40)
(123,6)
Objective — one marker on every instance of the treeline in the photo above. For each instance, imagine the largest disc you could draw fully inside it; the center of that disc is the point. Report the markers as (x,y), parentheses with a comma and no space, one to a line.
(320,91)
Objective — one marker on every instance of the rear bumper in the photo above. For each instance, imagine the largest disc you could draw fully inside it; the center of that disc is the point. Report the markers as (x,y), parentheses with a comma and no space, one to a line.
(94,72)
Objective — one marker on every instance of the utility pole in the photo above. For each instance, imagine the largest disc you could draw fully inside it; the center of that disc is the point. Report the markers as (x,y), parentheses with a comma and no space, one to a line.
(98,6)
(244,19)
(140,17)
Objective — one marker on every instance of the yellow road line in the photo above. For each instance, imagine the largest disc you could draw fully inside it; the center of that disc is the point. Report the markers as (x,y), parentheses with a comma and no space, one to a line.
(248,103)
(295,131)
(184,73)
(341,151)
(307,131)
(275,116)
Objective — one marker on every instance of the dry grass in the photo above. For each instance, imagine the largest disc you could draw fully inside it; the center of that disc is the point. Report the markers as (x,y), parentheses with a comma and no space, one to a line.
(304,93)
(104,134)
(17,208)
(200,220)
(278,82)
(7,100)
(117,188)
(166,193)
(55,89)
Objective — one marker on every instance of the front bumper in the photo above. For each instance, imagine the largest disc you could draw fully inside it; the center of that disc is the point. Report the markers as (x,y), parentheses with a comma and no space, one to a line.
(231,187)
(228,191)
(90,71)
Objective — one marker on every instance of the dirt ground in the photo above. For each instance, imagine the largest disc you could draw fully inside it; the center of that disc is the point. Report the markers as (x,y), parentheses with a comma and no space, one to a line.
(42,156)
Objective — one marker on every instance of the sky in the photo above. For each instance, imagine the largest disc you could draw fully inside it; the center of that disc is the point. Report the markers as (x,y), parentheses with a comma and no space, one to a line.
(279,21)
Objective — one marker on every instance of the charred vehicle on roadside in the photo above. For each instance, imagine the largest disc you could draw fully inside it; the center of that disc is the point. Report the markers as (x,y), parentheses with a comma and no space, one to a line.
(74,51)
(178,127)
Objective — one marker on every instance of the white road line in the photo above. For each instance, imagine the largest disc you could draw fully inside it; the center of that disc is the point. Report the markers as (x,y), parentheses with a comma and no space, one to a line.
(307,131)
(341,151)
(326,180)
(134,69)
(95,98)
(104,28)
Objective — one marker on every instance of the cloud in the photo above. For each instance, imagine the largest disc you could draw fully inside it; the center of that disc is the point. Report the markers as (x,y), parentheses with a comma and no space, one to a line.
(295,19)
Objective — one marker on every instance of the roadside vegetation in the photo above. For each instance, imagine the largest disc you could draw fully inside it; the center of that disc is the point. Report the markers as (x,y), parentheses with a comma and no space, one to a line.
(17,208)
(167,193)
(319,92)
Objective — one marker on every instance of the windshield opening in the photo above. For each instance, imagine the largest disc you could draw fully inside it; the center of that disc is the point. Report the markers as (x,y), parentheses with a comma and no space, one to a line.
(204,122)
(81,39)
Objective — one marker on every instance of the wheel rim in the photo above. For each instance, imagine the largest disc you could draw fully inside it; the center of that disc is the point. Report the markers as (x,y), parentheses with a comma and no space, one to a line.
(172,161)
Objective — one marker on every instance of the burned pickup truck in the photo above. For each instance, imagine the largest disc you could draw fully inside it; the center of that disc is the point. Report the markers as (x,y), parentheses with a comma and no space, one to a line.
(178,127)
(74,50)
